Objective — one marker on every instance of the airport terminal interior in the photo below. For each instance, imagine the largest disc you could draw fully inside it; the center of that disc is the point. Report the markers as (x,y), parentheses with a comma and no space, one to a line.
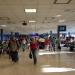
(37,37)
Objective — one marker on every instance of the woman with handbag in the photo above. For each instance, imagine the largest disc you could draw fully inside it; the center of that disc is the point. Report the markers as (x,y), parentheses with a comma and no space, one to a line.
(33,48)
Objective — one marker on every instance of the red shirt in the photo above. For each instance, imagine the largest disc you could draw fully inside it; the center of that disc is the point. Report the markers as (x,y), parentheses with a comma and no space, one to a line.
(33,46)
(46,41)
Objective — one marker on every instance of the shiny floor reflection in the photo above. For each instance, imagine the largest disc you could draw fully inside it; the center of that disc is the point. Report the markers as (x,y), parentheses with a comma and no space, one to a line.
(48,52)
(56,69)
(49,63)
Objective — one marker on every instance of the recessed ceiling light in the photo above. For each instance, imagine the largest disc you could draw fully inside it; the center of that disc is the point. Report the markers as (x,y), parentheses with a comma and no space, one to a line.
(61,20)
(30,10)
(32,21)
(3,25)
(58,15)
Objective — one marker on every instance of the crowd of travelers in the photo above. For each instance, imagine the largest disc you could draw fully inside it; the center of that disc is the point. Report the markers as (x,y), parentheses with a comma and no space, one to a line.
(13,45)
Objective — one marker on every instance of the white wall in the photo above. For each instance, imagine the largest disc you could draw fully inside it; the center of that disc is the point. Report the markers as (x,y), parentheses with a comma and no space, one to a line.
(40,28)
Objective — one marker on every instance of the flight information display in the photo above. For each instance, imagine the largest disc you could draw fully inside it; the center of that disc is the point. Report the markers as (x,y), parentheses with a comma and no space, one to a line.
(62,28)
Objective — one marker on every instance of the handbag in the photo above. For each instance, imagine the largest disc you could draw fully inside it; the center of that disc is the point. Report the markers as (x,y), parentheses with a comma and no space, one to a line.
(30,55)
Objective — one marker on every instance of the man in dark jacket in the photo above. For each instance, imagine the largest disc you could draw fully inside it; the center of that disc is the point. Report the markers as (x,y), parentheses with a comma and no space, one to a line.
(13,49)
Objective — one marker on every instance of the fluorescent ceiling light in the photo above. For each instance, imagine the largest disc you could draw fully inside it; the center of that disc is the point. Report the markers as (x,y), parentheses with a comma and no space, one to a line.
(32,21)
(3,25)
(30,10)
(61,20)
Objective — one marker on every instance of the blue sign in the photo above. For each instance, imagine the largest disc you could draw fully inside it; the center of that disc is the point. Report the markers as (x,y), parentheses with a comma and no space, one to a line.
(34,34)
(62,28)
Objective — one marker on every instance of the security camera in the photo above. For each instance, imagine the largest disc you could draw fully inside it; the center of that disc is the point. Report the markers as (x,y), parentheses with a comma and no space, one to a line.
(24,23)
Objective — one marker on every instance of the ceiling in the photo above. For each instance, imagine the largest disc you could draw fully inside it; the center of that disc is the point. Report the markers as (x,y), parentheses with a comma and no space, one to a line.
(12,14)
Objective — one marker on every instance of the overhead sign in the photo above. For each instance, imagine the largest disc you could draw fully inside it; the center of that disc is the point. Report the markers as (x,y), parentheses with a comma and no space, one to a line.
(62,28)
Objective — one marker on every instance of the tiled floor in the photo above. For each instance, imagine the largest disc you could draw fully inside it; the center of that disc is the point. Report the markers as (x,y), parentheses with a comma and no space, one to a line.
(49,63)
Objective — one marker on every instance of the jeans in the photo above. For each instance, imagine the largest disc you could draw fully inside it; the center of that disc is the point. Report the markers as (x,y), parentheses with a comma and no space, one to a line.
(34,56)
(14,56)
(0,51)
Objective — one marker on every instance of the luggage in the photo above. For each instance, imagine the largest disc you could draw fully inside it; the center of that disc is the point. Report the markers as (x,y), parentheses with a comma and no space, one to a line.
(71,48)
(30,55)
(41,45)
(59,47)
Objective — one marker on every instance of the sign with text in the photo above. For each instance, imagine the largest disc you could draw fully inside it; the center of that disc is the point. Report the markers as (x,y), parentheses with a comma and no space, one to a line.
(62,28)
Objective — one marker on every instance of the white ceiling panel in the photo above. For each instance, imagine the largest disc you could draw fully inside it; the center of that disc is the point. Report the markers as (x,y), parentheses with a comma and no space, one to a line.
(45,16)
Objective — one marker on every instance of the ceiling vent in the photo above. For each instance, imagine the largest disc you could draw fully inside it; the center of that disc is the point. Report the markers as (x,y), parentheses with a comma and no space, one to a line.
(69,10)
(4,18)
(62,1)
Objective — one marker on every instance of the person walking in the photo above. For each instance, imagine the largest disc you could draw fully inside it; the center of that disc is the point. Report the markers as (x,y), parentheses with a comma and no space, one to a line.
(50,44)
(13,46)
(1,46)
(33,49)
(53,43)
(23,45)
